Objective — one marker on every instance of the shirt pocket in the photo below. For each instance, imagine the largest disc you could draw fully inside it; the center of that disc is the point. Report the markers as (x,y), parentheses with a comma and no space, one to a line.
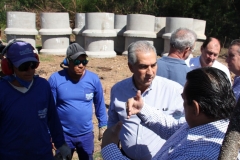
(88,94)
(42,110)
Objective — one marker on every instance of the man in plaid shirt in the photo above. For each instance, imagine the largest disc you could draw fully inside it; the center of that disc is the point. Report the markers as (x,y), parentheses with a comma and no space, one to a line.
(208,104)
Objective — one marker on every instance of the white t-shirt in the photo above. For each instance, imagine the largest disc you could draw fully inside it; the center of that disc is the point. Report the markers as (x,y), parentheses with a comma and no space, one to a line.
(194,63)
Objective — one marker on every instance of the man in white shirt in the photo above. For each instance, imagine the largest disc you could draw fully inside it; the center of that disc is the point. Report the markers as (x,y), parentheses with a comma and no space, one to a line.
(210,51)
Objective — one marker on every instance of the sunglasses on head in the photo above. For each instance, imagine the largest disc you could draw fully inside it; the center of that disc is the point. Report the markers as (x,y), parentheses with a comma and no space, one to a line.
(26,65)
(77,62)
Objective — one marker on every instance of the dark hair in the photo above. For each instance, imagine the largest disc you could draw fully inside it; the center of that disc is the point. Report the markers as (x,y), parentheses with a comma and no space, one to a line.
(211,88)
(208,40)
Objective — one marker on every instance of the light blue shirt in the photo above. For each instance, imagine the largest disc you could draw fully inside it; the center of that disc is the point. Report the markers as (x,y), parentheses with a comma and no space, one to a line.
(137,141)
(202,142)
(173,68)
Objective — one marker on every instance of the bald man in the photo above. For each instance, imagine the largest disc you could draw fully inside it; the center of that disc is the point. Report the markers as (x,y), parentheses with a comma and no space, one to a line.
(210,51)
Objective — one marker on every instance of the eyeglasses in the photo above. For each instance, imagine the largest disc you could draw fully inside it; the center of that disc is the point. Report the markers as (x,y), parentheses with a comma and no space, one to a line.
(25,66)
(77,62)
(235,41)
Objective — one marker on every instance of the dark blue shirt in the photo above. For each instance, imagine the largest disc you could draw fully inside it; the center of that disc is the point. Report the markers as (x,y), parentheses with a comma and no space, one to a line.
(25,122)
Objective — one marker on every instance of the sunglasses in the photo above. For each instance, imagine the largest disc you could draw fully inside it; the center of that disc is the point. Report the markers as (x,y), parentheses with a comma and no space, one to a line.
(77,62)
(236,41)
(25,66)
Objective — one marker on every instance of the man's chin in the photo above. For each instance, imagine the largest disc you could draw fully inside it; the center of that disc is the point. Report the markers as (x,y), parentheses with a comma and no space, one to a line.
(27,77)
(209,64)
(148,82)
(79,74)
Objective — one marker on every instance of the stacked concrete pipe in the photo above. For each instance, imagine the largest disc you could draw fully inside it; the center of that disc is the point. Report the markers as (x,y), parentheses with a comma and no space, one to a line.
(120,23)
(99,35)
(160,23)
(55,32)
(79,28)
(139,27)
(21,26)
(199,28)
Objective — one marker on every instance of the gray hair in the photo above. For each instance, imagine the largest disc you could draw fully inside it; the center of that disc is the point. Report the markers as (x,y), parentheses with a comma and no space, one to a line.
(139,46)
(236,42)
(183,38)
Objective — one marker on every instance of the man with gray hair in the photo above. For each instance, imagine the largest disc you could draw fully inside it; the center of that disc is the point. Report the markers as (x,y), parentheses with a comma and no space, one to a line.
(233,61)
(173,66)
(161,93)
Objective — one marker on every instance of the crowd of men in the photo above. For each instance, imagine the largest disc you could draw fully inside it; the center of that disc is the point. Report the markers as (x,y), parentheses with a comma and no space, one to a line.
(170,108)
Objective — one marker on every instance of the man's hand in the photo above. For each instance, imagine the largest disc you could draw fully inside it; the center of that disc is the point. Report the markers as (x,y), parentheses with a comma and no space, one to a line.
(134,105)
(101,131)
(53,146)
(111,135)
(65,152)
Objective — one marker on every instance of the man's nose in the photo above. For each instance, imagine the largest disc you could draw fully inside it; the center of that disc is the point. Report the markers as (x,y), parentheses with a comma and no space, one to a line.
(211,57)
(149,70)
(80,65)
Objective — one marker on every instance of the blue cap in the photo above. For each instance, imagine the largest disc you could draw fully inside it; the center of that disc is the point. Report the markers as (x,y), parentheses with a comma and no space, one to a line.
(21,52)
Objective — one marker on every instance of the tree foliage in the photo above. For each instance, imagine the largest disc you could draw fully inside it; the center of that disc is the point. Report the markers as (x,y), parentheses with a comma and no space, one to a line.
(222,16)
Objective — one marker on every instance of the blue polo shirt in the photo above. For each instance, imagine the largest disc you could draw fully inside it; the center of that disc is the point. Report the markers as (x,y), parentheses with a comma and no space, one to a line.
(173,69)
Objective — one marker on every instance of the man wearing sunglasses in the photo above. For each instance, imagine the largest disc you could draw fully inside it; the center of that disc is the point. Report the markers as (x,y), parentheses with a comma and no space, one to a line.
(210,50)
(233,60)
(28,115)
(75,89)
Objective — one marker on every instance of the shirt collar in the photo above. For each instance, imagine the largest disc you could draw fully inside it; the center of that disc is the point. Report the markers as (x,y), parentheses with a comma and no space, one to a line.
(236,78)
(236,81)
(148,89)
(174,60)
(207,129)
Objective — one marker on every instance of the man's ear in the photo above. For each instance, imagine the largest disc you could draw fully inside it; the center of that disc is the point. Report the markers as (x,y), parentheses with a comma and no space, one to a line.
(196,108)
(185,52)
(130,66)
